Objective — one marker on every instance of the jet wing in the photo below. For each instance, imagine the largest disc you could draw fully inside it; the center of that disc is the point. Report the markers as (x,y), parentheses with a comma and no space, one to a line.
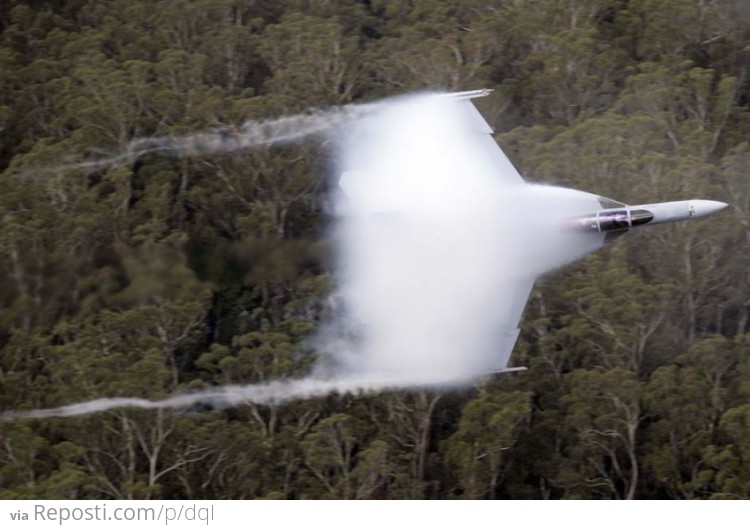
(485,140)
(425,138)
(514,302)
(517,293)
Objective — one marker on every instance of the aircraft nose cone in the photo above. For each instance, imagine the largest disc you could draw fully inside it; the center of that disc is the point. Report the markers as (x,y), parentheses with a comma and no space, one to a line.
(704,207)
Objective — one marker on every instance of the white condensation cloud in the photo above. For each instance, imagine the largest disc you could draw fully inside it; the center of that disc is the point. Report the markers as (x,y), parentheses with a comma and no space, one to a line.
(431,241)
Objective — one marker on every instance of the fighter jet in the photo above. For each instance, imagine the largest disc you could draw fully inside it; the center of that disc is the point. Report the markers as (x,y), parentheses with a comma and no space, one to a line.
(593,221)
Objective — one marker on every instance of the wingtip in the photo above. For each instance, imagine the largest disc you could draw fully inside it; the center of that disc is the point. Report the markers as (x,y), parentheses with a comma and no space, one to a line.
(510,370)
(466,95)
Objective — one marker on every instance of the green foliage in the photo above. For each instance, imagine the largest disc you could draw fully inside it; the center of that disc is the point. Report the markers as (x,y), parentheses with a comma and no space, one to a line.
(171,274)
(489,426)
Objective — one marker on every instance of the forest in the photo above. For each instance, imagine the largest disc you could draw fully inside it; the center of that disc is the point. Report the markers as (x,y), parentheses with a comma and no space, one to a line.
(175,273)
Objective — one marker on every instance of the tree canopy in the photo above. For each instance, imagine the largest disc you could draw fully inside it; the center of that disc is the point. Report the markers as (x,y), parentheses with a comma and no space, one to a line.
(169,274)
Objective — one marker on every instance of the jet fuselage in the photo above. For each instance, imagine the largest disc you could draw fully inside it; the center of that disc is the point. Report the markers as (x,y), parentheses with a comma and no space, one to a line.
(621,218)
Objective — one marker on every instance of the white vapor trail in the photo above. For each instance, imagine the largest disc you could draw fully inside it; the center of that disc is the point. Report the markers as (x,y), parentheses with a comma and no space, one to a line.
(432,245)
(436,241)
(276,392)
(252,134)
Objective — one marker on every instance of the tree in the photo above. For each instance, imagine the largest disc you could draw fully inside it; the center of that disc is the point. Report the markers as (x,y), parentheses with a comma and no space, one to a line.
(603,416)
(490,425)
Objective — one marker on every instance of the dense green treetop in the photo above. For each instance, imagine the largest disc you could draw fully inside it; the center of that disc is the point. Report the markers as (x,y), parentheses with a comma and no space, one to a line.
(168,273)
